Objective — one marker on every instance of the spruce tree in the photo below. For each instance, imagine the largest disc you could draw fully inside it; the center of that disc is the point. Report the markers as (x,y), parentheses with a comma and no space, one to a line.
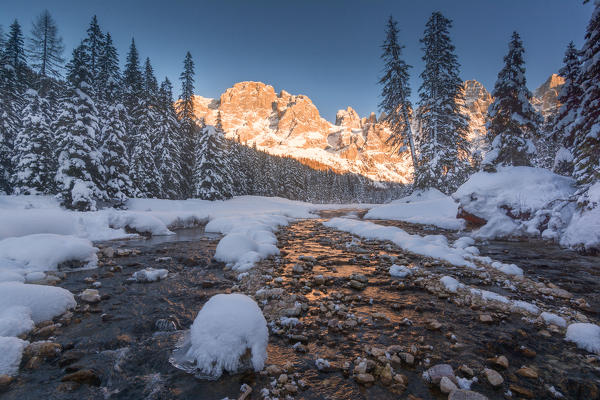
(167,162)
(13,83)
(189,129)
(143,164)
(212,178)
(46,47)
(570,99)
(513,122)
(33,172)
(443,146)
(132,87)
(79,175)
(94,44)
(396,93)
(587,126)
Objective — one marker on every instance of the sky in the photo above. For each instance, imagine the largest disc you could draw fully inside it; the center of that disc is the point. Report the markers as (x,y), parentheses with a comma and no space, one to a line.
(328,50)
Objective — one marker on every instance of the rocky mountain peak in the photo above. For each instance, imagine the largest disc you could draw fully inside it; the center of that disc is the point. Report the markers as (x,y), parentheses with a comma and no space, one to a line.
(545,97)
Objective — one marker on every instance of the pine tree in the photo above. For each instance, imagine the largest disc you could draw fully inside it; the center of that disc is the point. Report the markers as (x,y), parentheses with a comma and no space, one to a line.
(189,129)
(168,152)
(570,98)
(513,122)
(46,47)
(13,83)
(587,126)
(109,76)
(33,173)
(143,164)
(443,145)
(396,93)
(212,179)
(79,175)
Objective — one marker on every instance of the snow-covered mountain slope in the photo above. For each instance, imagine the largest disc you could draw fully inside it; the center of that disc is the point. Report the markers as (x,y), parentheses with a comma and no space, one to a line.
(290,125)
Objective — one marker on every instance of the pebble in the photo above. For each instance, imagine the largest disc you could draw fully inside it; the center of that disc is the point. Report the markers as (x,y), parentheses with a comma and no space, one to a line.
(86,376)
(522,391)
(437,372)
(501,361)
(354,284)
(364,378)
(90,296)
(527,372)
(466,370)
(493,377)
(273,370)
(43,349)
(486,318)
(5,381)
(461,394)
(446,385)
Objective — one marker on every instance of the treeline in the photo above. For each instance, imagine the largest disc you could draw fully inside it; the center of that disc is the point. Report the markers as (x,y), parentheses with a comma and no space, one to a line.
(102,135)
(517,135)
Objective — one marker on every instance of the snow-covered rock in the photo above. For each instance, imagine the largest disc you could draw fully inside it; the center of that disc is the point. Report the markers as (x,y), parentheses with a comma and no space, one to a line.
(44,302)
(150,275)
(400,271)
(585,335)
(229,334)
(11,350)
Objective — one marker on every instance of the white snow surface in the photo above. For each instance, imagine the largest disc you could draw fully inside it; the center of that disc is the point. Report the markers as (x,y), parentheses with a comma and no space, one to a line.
(44,302)
(226,327)
(11,352)
(451,284)
(150,275)
(400,271)
(429,207)
(586,336)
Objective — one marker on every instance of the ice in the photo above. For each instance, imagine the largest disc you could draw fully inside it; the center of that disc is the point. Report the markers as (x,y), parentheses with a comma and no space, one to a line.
(550,318)
(429,207)
(150,275)
(11,350)
(45,302)
(585,335)
(400,271)
(229,334)
(451,284)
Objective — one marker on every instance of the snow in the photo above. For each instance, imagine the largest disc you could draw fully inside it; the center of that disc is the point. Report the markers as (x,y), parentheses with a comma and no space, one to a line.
(226,327)
(400,271)
(43,252)
(11,349)
(451,284)
(585,335)
(550,318)
(15,320)
(583,230)
(44,302)
(430,207)
(150,275)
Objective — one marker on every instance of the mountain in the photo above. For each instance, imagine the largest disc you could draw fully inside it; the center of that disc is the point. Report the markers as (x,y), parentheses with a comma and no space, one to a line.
(545,98)
(290,125)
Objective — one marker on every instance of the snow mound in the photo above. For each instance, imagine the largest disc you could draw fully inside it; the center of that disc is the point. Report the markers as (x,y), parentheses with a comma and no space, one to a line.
(451,284)
(15,320)
(44,252)
(44,302)
(150,275)
(550,318)
(229,334)
(400,271)
(11,349)
(585,336)
(429,207)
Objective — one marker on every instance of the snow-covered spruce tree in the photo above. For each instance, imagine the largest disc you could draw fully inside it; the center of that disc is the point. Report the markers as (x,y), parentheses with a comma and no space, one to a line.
(212,178)
(132,92)
(395,94)
(144,172)
(586,149)
(94,45)
(513,122)
(167,160)
(117,182)
(570,98)
(443,146)
(188,128)
(45,46)
(33,171)
(13,84)
(79,175)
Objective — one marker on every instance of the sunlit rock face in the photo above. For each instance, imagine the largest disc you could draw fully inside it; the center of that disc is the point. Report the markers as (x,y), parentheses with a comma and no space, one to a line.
(477,101)
(545,98)
(290,125)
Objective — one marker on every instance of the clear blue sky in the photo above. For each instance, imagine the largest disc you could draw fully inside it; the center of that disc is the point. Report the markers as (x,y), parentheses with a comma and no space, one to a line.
(326,49)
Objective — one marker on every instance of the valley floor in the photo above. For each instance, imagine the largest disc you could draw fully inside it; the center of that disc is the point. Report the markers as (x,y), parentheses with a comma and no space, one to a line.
(356,308)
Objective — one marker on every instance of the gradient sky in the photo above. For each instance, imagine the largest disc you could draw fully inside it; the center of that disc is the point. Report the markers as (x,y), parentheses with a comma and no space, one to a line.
(326,49)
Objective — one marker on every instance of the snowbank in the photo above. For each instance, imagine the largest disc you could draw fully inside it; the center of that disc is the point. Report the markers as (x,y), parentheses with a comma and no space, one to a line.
(583,230)
(11,350)
(44,302)
(430,207)
(585,336)
(43,252)
(227,327)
